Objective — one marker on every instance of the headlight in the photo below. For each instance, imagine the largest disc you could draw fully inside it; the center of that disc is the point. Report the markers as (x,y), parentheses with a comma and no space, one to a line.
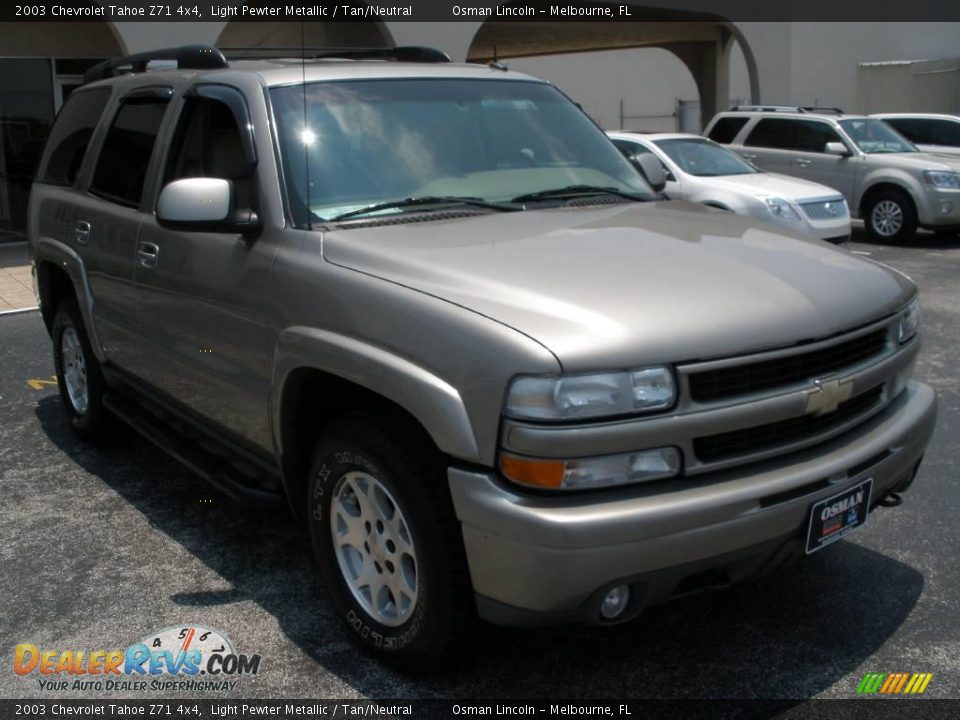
(577,397)
(592,472)
(942,179)
(780,208)
(910,321)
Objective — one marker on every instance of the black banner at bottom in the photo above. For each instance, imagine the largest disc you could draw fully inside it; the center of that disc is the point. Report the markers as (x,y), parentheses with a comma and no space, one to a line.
(284,709)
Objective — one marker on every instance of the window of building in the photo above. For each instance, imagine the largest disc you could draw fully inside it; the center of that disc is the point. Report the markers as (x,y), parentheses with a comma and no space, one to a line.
(67,144)
(125,155)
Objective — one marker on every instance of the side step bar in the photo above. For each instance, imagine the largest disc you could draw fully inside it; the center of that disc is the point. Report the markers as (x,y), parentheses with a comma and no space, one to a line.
(213,468)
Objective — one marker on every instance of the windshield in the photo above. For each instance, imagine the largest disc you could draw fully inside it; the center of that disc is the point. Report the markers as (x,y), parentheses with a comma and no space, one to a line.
(875,136)
(703,158)
(347,145)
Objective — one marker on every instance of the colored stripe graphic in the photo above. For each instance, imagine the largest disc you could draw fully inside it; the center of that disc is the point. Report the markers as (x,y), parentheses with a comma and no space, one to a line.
(870,683)
(894,683)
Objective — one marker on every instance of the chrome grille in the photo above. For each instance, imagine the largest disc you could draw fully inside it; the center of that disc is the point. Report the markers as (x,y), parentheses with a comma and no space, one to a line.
(825,208)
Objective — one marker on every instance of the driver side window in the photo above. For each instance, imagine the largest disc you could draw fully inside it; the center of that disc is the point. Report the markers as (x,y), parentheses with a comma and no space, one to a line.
(208,144)
(631,149)
(813,136)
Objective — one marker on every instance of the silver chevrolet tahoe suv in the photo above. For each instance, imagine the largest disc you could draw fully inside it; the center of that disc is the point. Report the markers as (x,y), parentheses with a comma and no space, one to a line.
(434,310)
(885,179)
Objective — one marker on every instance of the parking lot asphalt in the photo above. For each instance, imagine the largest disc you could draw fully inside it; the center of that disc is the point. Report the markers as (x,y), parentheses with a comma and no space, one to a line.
(102,546)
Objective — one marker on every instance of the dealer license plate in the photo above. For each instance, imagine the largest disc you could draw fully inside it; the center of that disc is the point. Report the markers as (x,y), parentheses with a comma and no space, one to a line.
(836,516)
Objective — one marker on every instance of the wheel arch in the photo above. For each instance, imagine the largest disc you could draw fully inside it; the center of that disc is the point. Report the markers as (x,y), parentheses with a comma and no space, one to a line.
(53,285)
(60,270)
(883,185)
(320,376)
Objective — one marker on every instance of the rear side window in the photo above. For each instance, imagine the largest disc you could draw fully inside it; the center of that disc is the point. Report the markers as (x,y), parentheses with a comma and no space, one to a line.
(927,132)
(122,165)
(946,132)
(67,144)
(914,130)
(725,129)
(772,133)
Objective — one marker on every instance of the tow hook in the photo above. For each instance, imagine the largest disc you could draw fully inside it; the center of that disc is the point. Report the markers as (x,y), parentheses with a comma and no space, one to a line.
(891,500)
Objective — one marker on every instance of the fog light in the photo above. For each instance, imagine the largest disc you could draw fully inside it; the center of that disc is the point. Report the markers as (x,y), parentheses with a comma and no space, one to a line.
(615,602)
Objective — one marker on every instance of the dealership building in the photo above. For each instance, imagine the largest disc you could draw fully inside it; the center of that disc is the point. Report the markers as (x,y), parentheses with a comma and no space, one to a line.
(662,74)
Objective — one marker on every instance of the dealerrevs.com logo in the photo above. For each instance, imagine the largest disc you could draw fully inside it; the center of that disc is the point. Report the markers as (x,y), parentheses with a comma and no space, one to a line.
(177,658)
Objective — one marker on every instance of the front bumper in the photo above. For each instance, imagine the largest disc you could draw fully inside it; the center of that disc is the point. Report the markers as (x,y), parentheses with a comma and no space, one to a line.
(939,208)
(549,559)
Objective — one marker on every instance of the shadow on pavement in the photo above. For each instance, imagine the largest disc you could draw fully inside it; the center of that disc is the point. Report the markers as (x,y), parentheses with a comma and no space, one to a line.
(792,635)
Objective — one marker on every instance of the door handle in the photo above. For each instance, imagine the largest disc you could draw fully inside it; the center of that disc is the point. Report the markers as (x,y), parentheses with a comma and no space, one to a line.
(147,254)
(801,162)
(81,232)
(748,156)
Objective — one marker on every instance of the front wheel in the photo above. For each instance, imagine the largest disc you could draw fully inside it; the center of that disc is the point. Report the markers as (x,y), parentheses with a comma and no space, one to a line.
(388,543)
(891,217)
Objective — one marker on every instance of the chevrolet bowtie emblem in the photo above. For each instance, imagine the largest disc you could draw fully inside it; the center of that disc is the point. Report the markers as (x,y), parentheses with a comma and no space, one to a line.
(827,396)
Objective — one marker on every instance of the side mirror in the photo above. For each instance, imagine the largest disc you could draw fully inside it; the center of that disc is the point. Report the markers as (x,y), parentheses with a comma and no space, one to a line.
(651,169)
(836,148)
(204,204)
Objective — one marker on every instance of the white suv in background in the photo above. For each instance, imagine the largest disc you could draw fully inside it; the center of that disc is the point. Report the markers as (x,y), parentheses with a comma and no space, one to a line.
(701,171)
(885,179)
(930,132)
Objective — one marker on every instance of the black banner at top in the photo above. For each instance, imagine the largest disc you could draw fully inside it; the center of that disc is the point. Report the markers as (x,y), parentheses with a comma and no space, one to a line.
(480,11)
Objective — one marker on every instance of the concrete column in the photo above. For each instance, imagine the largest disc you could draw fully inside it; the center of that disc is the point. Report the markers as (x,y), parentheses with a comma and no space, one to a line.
(143,36)
(453,38)
(703,61)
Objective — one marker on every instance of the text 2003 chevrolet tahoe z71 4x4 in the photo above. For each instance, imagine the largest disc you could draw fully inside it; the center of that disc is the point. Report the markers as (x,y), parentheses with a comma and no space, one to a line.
(433,308)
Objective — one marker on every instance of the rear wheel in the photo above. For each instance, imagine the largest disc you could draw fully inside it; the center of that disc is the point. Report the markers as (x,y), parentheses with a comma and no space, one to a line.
(389,546)
(79,378)
(891,217)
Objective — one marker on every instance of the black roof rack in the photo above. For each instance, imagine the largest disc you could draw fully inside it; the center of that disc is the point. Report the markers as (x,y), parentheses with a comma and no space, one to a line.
(206,57)
(402,53)
(192,57)
(824,109)
(788,108)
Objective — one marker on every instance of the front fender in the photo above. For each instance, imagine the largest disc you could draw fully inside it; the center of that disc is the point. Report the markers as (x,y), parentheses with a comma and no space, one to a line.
(47,249)
(890,176)
(435,403)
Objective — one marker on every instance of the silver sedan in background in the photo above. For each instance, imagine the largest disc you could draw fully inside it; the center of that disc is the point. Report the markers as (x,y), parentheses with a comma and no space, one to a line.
(701,171)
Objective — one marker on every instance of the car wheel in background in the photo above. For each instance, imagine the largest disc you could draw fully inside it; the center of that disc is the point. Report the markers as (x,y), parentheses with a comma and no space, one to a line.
(890,216)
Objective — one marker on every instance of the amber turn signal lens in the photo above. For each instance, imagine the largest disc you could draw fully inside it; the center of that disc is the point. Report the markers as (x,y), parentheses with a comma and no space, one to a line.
(537,473)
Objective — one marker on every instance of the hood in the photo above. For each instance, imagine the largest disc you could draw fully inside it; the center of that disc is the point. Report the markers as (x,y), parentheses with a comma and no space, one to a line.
(772,184)
(630,284)
(917,161)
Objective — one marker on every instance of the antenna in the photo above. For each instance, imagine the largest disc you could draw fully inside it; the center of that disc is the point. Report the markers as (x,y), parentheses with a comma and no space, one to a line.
(304,134)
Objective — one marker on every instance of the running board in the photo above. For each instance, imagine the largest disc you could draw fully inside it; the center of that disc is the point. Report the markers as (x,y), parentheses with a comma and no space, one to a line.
(212,467)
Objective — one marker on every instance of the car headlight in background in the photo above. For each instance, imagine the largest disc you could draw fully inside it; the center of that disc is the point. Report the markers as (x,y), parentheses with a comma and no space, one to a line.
(910,320)
(597,395)
(592,472)
(942,179)
(780,208)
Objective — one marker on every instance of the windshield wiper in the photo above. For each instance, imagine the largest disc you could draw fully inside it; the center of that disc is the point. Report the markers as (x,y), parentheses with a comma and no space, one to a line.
(574,190)
(427,200)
